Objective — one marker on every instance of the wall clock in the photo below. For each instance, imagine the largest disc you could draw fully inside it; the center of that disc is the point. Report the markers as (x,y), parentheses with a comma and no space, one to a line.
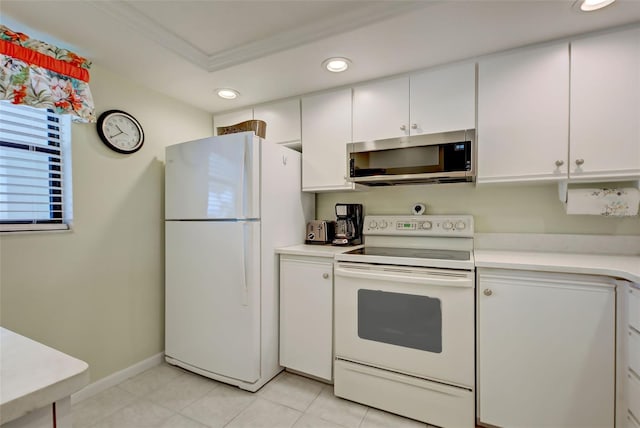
(120,131)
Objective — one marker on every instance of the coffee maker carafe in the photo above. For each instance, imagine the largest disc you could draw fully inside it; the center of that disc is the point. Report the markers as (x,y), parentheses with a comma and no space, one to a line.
(348,228)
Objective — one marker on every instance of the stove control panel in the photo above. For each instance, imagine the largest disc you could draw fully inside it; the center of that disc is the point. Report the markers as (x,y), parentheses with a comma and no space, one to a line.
(423,225)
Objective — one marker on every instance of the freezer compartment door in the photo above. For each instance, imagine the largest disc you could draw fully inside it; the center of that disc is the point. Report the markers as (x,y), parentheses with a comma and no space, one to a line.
(213,178)
(213,296)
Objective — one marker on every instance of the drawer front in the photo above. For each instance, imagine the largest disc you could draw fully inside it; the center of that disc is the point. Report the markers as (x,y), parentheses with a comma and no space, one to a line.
(633,308)
(633,397)
(634,351)
(416,398)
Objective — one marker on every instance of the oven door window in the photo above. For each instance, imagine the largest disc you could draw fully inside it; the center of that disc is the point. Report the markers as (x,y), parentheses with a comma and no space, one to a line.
(406,320)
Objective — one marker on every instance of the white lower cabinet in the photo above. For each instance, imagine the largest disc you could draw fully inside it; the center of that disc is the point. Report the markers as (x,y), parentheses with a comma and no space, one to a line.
(631,369)
(306,315)
(546,349)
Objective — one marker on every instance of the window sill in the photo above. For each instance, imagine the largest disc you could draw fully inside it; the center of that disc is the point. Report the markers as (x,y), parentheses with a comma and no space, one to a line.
(13,229)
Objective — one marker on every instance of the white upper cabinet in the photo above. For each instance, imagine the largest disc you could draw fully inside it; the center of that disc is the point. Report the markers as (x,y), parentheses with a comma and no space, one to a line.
(443,99)
(381,110)
(283,120)
(326,130)
(605,106)
(227,119)
(523,115)
(433,101)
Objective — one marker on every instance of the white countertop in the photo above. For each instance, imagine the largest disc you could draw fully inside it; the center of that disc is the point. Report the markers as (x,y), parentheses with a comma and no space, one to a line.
(626,267)
(33,375)
(537,252)
(327,251)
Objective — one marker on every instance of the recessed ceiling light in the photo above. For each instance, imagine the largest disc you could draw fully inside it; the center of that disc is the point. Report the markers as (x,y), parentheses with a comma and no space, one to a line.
(227,93)
(336,64)
(591,5)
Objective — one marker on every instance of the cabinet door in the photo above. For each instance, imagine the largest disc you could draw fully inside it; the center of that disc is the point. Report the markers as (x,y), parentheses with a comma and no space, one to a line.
(605,106)
(227,119)
(545,350)
(306,316)
(283,120)
(523,115)
(633,394)
(326,130)
(443,100)
(633,307)
(381,110)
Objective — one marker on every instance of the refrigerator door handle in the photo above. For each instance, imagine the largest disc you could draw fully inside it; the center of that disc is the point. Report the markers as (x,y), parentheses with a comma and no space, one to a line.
(243,173)
(245,244)
(250,171)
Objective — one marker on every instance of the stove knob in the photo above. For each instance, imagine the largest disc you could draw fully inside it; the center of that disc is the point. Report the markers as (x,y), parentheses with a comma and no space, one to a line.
(426,225)
(373,224)
(447,225)
(383,224)
(461,225)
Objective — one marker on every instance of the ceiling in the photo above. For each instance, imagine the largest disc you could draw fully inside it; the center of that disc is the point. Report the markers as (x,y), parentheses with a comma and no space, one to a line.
(269,50)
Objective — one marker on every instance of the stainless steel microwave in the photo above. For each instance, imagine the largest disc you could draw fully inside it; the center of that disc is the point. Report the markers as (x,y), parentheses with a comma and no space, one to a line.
(433,158)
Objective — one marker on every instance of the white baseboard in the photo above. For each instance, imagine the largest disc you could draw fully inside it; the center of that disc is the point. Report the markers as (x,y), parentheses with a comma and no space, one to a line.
(115,378)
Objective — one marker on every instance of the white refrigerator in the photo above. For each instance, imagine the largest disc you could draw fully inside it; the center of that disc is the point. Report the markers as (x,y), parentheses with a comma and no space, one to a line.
(229,202)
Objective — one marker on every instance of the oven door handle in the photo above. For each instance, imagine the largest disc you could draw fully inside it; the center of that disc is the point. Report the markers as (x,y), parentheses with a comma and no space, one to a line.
(406,276)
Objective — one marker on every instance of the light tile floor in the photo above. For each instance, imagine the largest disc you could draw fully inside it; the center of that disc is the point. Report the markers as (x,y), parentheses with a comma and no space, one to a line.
(167,396)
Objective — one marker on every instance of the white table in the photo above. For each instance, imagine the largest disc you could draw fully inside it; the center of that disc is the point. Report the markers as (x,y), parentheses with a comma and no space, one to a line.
(36,383)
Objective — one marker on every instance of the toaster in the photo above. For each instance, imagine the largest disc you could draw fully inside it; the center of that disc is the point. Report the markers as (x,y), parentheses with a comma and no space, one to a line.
(320,232)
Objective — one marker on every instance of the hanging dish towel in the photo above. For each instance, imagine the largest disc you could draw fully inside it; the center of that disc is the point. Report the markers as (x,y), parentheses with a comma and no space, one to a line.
(608,202)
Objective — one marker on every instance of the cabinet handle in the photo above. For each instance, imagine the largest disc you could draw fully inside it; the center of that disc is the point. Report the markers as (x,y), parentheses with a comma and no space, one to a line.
(559,163)
(487,292)
(414,126)
(325,275)
(579,162)
(403,127)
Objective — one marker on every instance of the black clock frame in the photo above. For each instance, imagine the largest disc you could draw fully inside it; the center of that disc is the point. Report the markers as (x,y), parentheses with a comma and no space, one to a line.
(103,116)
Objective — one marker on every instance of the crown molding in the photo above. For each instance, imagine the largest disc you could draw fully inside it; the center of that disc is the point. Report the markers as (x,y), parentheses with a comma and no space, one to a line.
(288,39)
(141,23)
(310,33)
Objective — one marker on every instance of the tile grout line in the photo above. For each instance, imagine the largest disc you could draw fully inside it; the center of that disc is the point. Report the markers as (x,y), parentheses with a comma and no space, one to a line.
(364,417)
(241,411)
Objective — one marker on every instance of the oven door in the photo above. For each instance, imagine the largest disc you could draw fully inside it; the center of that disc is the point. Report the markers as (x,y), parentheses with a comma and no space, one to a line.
(418,321)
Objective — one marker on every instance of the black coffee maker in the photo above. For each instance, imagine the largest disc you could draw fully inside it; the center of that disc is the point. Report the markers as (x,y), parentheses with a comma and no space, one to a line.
(348,228)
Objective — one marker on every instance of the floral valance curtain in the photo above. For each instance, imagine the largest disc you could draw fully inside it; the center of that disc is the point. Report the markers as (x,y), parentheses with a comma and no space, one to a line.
(38,74)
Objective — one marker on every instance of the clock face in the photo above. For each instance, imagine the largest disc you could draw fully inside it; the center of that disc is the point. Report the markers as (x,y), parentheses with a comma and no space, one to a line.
(120,131)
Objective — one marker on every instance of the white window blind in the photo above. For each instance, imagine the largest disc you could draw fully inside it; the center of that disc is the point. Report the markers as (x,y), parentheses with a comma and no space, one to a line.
(35,169)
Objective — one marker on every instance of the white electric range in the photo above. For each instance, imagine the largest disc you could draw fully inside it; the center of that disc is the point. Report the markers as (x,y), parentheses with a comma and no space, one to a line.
(404,318)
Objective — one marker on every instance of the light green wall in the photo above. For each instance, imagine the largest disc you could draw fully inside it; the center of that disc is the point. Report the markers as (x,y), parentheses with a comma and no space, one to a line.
(97,292)
(496,208)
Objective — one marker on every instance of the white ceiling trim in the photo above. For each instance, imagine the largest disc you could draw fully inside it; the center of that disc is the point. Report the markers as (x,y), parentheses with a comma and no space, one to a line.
(140,22)
(311,33)
(257,49)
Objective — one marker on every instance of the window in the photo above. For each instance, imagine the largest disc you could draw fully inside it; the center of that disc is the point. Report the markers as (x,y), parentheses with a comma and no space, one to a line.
(35,169)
